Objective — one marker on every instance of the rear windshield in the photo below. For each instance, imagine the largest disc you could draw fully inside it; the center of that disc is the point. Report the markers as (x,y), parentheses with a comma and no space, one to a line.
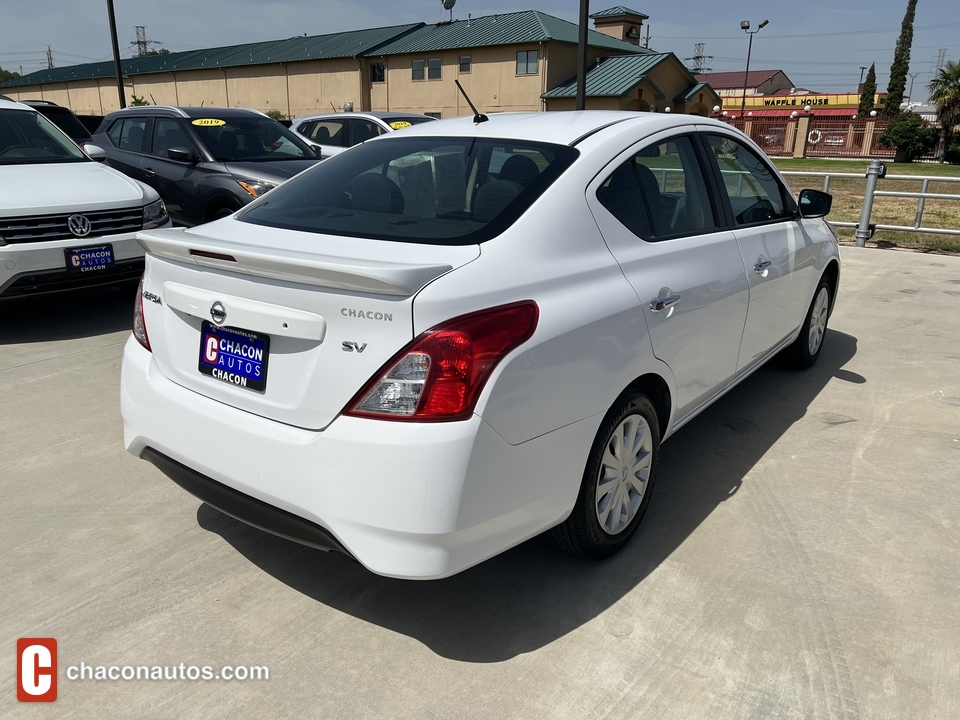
(66,121)
(398,122)
(28,138)
(438,191)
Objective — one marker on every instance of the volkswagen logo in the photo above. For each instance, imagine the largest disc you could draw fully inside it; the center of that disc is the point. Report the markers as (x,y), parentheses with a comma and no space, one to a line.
(218,313)
(79,225)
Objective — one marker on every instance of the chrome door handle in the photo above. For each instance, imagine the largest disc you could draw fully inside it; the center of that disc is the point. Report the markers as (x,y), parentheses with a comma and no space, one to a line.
(761,266)
(149,172)
(662,303)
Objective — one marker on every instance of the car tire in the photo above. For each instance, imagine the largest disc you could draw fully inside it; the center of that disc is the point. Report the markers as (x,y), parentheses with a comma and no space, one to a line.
(221,212)
(617,482)
(806,348)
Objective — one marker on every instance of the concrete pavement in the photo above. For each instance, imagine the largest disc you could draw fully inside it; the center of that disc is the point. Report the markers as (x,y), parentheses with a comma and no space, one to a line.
(800,558)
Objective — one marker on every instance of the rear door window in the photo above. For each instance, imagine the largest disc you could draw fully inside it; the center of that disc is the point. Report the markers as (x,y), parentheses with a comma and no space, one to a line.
(661,192)
(128,133)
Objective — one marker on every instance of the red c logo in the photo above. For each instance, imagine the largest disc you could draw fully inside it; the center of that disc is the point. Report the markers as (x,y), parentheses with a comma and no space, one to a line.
(36,669)
(210,351)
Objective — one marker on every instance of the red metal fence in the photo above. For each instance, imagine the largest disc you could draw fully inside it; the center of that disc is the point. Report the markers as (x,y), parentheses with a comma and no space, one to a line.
(827,137)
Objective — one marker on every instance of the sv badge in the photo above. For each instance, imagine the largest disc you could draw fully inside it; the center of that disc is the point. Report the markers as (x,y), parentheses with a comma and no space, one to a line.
(350,346)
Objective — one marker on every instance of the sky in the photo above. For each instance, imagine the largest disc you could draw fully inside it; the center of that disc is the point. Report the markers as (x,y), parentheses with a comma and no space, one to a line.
(820,44)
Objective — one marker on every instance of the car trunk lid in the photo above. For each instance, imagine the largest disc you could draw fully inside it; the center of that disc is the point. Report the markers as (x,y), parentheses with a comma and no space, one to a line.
(292,331)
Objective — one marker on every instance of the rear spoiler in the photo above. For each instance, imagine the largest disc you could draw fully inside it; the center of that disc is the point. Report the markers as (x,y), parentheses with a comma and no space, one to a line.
(370,276)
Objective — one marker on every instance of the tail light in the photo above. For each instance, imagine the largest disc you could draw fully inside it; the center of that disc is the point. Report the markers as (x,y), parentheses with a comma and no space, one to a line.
(439,376)
(139,324)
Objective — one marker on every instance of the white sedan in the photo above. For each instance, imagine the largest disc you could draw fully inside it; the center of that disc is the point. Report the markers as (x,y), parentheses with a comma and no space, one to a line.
(451,339)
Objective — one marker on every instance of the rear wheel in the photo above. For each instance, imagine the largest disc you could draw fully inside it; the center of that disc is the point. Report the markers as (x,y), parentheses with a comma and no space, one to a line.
(806,349)
(617,483)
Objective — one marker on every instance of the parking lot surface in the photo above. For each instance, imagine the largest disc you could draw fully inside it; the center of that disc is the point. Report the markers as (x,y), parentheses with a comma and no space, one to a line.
(800,558)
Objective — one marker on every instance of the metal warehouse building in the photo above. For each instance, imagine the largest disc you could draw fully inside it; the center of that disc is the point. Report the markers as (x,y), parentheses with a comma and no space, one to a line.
(516,61)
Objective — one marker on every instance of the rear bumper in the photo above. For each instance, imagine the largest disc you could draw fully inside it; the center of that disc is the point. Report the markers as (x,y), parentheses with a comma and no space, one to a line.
(406,500)
(242,507)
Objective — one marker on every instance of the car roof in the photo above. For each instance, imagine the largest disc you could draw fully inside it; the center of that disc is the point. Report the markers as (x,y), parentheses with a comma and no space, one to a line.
(14,105)
(379,114)
(190,112)
(560,127)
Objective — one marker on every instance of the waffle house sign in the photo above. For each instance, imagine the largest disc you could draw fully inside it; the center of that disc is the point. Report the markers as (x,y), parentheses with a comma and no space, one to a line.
(798,102)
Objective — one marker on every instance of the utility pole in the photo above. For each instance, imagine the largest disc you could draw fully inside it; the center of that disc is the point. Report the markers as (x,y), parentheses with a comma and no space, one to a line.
(863,69)
(141,43)
(49,58)
(646,41)
(941,58)
(582,55)
(116,53)
(698,58)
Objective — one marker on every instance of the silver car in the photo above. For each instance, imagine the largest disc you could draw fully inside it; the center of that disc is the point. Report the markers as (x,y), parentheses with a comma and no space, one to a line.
(332,133)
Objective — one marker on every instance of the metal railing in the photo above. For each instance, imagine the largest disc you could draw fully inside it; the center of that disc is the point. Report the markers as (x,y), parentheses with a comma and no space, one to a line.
(877,171)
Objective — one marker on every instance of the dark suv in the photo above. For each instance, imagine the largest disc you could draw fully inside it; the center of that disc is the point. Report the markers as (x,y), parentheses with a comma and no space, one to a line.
(206,163)
(63,118)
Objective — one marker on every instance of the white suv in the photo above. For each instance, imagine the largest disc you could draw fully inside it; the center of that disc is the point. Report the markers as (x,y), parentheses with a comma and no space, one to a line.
(66,221)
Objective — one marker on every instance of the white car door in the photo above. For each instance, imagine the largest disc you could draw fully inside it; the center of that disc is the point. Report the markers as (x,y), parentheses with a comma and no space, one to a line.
(661,223)
(780,259)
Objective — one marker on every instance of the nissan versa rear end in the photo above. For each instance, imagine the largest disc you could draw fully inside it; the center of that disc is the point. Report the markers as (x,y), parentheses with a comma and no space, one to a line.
(430,348)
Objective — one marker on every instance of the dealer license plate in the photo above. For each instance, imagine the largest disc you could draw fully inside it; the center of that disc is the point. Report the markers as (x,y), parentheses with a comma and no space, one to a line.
(89,259)
(234,356)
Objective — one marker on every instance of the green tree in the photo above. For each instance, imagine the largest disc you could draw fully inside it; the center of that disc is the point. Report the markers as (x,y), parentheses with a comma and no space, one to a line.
(910,135)
(158,51)
(8,75)
(137,101)
(901,63)
(869,92)
(945,93)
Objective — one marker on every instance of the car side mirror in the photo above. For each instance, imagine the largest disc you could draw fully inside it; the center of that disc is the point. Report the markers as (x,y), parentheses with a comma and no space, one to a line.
(814,203)
(94,152)
(182,154)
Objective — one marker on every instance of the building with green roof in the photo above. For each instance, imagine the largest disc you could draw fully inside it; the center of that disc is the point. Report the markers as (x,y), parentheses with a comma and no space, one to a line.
(513,61)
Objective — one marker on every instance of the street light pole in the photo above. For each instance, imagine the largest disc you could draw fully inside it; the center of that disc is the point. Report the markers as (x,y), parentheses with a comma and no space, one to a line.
(745,26)
(913,76)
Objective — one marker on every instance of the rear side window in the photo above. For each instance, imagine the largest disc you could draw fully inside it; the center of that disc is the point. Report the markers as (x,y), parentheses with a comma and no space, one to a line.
(755,194)
(327,132)
(66,121)
(441,191)
(660,192)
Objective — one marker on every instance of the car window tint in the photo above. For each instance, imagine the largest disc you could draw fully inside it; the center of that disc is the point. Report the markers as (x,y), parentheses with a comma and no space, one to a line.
(28,138)
(167,133)
(363,130)
(671,193)
(128,133)
(328,132)
(429,190)
(755,194)
(255,139)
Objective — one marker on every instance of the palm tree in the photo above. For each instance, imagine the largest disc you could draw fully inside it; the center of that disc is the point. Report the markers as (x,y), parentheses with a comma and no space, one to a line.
(945,92)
